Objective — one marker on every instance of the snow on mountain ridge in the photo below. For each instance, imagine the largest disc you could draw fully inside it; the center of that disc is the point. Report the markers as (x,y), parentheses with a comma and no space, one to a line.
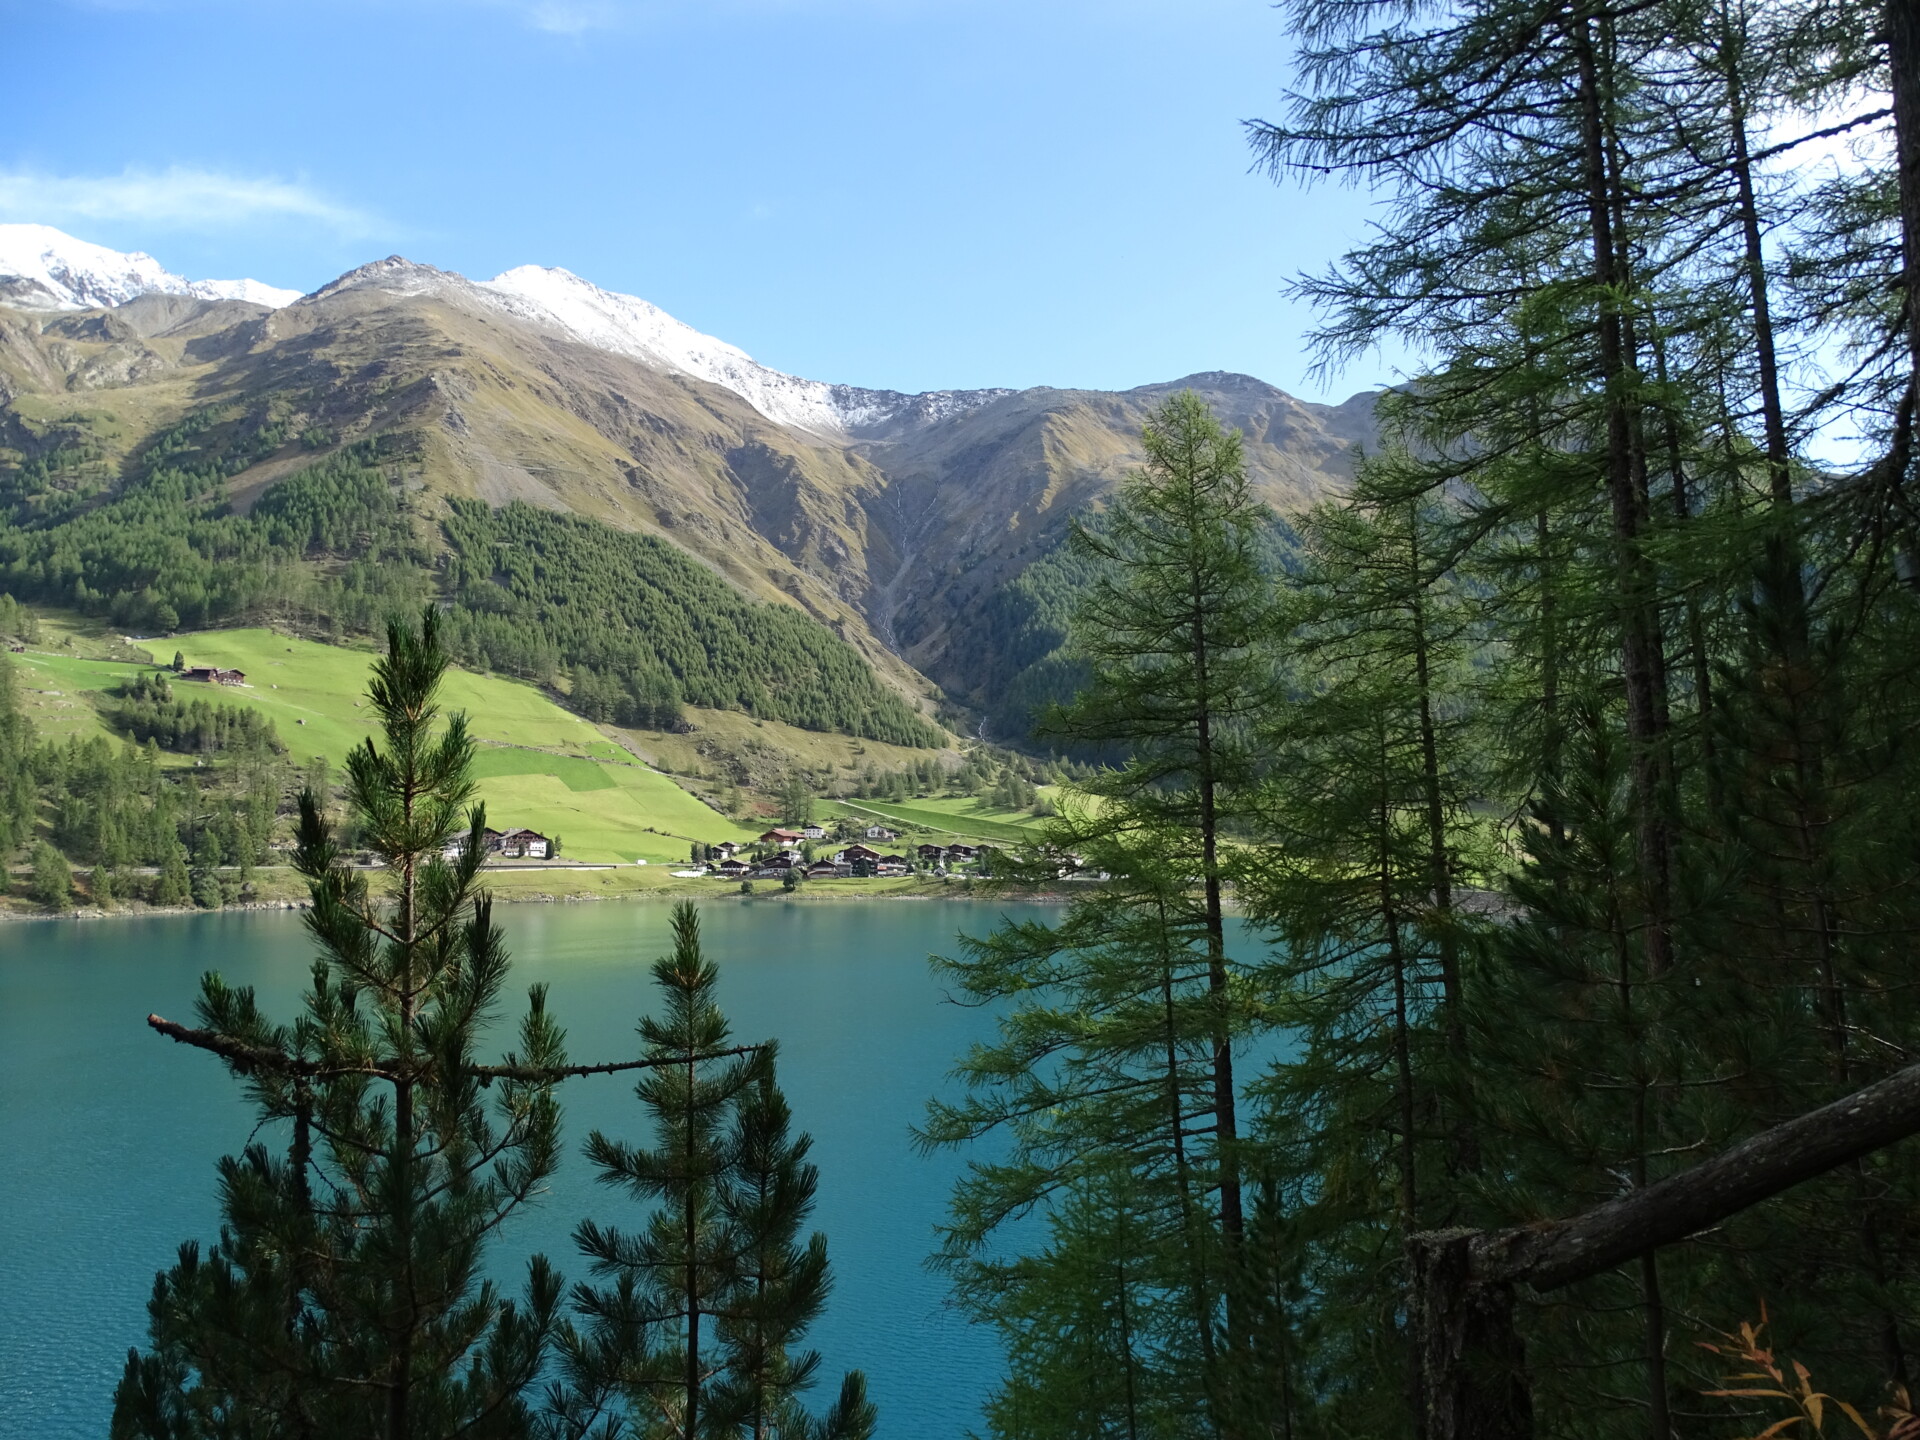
(628,325)
(77,275)
(53,270)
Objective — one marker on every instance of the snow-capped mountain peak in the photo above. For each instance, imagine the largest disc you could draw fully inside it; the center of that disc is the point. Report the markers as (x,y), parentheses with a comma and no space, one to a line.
(628,325)
(42,268)
(54,271)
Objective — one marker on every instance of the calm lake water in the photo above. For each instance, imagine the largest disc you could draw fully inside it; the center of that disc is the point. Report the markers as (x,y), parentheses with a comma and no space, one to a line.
(108,1134)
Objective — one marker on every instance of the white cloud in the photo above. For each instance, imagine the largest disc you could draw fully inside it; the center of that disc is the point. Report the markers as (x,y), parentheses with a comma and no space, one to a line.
(180,198)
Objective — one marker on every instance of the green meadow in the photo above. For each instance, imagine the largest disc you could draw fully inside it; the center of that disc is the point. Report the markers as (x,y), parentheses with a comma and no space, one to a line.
(539,766)
(952,817)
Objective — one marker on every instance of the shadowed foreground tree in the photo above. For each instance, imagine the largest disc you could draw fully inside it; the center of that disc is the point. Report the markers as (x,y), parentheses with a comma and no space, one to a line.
(697,1334)
(347,1294)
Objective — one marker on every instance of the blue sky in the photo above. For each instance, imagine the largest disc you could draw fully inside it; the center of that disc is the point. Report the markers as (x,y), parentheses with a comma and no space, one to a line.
(912,194)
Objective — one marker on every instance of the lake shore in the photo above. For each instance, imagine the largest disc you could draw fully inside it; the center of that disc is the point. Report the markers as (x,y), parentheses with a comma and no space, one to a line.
(536,887)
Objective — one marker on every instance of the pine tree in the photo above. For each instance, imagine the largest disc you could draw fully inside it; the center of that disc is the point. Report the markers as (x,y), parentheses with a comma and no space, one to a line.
(695,1336)
(173,886)
(52,883)
(796,799)
(344,1296)
(779,1285)
(675,1270)
(18,801)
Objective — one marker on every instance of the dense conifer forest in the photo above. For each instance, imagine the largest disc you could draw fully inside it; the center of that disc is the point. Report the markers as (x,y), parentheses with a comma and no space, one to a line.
(1563,783)
(636,627)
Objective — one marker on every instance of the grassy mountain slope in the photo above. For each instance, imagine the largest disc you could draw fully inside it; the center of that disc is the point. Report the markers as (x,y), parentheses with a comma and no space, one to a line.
(896,538)
(539,766)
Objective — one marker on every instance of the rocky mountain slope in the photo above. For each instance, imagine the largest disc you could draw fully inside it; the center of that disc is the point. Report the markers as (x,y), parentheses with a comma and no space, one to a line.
(890,518)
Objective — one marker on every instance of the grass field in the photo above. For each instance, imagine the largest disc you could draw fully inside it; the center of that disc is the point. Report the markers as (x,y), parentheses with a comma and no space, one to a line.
(538,765)
(53,690)
(952,817)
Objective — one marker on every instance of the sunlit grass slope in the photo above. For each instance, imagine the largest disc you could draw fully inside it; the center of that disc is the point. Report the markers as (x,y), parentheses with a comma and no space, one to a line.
(952,817)
(51,692)
(575,783)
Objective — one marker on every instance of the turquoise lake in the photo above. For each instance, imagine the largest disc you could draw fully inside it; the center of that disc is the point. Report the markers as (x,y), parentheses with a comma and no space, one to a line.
(109,1134)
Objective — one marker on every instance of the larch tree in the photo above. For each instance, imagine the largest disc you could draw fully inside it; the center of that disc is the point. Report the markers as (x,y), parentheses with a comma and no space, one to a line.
(1173,633)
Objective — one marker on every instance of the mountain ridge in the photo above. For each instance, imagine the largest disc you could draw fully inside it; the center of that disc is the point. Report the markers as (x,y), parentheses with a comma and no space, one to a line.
(63,273)
(892,519)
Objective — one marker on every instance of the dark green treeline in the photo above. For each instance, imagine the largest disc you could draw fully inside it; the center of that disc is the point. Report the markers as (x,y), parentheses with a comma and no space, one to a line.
(637,626)
(1565,788)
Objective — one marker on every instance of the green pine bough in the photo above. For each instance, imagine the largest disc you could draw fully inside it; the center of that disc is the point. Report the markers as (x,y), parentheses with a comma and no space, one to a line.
(344,1296)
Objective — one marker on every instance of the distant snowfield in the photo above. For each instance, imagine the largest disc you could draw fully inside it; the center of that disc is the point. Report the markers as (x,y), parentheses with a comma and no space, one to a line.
(627,325)
(62,273)
(79,276)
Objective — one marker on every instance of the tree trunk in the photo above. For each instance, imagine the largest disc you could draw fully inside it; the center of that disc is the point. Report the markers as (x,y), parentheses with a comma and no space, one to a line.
(1466,1145)
(1902,22)
(1640,657)
(690,1237)
(1472,1365)
(1460,1285)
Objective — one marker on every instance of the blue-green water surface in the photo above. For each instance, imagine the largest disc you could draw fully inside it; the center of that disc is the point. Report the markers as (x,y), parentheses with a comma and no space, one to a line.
(108,1133)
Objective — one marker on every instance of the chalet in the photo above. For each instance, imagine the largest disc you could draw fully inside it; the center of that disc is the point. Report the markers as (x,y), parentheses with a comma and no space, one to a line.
(855,853)
(725,850)
(489,840)
(934,853)
(521,845)
(732,869)
(961,852)
(782,837)
(881,832)
(893,860)
(826,870)
(893,865)
(214,675)
(814,832)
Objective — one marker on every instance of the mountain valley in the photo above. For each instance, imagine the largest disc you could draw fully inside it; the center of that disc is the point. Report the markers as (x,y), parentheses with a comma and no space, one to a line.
(901,523)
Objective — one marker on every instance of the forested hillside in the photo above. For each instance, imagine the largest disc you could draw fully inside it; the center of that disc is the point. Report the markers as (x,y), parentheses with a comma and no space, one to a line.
(642,627)
(1019,660)
(1559,1075)
(635,625)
